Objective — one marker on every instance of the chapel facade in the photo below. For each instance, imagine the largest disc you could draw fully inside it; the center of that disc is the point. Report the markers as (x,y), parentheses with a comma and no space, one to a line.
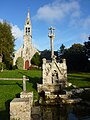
(27,50)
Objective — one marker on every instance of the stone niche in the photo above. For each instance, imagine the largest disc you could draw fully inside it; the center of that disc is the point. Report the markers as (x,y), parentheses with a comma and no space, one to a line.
(54,76)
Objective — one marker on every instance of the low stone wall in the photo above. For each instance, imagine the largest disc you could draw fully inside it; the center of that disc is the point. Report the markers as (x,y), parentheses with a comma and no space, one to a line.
(49,87)
(20,109)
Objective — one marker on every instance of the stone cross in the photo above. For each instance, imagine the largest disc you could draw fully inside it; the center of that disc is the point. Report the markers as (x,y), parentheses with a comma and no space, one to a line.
(51,35)
(24,83)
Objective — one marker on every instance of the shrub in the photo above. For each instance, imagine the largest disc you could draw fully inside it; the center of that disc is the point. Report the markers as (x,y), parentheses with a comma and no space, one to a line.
(2,65)
(85,95)
(14,67)
(36,60)
(19,63)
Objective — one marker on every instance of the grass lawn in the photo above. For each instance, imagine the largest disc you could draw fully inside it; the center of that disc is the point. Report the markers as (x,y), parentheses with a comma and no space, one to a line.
(11,89)
(79,79)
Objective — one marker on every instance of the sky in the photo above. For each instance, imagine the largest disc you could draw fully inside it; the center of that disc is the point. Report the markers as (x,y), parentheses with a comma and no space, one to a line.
(70,18)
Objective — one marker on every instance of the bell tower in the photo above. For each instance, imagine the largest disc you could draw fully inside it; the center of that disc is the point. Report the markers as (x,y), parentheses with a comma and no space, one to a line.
(27,45)
(28,30)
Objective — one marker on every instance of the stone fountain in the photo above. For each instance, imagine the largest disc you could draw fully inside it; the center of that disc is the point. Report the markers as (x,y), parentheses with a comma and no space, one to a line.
(54,73)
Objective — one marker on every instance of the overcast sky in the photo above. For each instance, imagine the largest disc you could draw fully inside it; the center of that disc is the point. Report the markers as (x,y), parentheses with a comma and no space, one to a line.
(70,18)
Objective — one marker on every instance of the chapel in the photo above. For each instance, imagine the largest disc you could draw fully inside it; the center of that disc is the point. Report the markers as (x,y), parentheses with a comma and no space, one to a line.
(27,50)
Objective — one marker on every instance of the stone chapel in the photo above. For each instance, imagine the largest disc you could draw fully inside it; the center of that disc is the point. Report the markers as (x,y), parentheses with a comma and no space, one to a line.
(27,50)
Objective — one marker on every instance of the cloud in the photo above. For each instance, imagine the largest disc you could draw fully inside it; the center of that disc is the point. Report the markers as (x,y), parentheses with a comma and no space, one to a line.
(17,32)
(84,36)
(1,20)
(58,10)
(82,24)
(86,22)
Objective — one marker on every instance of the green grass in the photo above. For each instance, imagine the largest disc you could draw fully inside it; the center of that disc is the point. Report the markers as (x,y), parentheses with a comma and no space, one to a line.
(79,79)
(19,73)
(11,89)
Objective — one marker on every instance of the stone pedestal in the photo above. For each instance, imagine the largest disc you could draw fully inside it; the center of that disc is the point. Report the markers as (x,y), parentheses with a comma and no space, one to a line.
(20,109)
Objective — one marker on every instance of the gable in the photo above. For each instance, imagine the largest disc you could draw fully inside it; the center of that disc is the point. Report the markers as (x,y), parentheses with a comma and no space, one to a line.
(54,71)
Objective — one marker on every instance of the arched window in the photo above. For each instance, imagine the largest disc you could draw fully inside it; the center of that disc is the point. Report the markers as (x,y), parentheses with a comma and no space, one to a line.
(29,30)
(26,30)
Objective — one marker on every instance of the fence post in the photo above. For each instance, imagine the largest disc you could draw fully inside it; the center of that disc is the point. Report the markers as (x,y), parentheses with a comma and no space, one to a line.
(24,83)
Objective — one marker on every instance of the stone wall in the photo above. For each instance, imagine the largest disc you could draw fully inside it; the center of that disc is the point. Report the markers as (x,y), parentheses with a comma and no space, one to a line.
(20,109)
(49,87)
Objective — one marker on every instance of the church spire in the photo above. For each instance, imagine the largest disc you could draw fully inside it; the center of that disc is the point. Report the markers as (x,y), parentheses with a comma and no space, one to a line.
(28,21)
(27,26)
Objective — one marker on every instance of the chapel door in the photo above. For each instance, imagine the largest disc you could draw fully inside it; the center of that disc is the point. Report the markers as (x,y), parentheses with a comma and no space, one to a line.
(26,64)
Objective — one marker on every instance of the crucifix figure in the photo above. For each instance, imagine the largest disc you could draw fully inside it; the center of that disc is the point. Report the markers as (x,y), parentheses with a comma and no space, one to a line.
(51,35)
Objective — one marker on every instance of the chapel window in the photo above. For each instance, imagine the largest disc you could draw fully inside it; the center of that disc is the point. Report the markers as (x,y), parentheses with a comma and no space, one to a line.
(26,31)
(29,31)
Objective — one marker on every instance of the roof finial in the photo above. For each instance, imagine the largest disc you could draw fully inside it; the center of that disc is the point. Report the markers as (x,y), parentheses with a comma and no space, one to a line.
(28,17)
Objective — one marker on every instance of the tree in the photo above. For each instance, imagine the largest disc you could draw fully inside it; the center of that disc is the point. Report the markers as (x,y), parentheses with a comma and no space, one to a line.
(36,60)
(6,44)
(75,57)
(19,63)
(61,52)
(87,52)
(87,48)
(46,54)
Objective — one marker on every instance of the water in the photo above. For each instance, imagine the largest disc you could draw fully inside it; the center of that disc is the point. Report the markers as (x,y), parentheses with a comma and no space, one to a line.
(63,112)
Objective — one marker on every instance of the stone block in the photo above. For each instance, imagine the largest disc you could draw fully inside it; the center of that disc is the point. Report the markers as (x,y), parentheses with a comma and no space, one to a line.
(36,113)
(20,109)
